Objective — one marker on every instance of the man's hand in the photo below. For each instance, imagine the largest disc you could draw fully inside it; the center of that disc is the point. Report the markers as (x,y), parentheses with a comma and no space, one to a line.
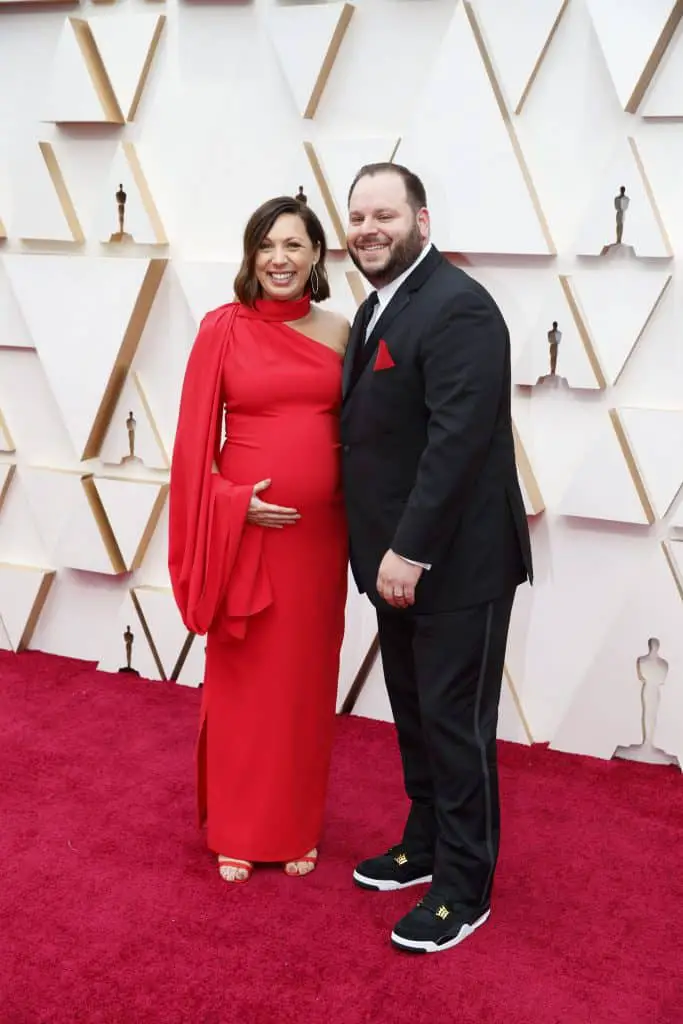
(397,579)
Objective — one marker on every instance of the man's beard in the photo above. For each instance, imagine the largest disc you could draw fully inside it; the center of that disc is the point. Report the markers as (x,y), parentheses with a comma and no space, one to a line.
(402,255)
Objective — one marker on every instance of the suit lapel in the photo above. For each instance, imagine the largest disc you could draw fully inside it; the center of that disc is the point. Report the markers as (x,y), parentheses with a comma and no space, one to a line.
(398,303)
(355,340)
(396,306)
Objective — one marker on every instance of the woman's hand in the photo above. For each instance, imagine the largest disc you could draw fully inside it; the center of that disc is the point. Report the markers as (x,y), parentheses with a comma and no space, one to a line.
(260,513)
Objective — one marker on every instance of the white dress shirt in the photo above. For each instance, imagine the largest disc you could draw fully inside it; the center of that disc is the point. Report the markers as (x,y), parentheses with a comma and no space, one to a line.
(384,296)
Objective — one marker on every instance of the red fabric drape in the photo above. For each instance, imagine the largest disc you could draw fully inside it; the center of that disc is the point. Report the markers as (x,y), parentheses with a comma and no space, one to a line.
(215,564)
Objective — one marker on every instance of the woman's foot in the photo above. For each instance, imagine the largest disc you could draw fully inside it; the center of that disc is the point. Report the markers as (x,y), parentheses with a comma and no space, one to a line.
(233,870)
(302,866)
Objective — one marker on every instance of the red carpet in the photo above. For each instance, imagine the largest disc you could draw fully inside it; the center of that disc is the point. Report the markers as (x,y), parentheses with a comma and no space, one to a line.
(112,912)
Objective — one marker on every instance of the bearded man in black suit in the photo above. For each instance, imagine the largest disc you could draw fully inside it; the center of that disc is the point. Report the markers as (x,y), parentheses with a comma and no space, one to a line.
(439,543)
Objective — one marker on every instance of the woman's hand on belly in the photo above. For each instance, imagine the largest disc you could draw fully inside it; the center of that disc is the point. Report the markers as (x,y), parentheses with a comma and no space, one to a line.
(260,513)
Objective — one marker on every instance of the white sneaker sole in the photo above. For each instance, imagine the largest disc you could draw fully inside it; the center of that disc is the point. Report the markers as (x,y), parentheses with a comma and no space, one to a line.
(387,884)
(435,947)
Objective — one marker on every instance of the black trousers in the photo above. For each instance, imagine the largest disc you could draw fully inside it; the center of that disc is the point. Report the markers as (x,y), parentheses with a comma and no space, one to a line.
(443,674)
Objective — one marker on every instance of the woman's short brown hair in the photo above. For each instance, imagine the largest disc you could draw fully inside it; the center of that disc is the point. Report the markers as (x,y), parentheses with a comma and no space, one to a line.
(247,288)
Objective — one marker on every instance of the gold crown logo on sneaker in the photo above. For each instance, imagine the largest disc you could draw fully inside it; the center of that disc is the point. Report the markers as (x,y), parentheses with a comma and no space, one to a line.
(443,912)
(401,859)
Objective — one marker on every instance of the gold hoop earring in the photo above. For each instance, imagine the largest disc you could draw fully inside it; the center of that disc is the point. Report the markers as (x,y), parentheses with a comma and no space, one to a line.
(315,282)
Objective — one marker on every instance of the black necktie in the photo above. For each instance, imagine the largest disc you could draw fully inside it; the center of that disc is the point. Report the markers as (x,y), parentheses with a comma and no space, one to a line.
(368,310)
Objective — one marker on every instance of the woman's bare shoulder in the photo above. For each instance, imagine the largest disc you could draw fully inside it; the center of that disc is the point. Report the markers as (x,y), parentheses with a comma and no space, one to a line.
(335,326)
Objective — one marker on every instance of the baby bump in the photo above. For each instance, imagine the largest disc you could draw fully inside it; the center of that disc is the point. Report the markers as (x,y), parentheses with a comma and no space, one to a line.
(302,458)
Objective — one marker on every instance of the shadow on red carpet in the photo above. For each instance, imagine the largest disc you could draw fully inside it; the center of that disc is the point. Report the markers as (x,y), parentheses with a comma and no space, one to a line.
(112,911)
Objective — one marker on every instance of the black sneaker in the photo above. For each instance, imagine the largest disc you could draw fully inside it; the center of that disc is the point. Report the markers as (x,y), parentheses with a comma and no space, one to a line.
(435,924)
(396,869)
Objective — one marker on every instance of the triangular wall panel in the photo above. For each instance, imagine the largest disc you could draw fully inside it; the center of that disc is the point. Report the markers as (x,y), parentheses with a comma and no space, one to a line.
(43,206)
(7,473)
(633,36)
(665,96)
(606,712)
(616,308)
(307,38)
(80,91)
(133,426)
(644,232)
(576,366)
(86,540)
(127,45)
(50,496)
(13,330)
(205,285)
(7,446)
(606,484)
(23,592)
(160,613)
(106,299)
(518,36)
(655,437)
(142,221)
(129,626)
(481,196)
(531,492)
(132,508)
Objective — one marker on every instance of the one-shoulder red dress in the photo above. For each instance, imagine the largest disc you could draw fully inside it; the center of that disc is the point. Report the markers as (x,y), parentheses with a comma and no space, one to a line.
(271,601)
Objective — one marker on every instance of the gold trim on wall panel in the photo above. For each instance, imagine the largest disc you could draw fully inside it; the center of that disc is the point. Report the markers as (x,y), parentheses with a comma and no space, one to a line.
(507,121)
(184,652)
(329,59)
(650,194)
(143,188)
(632,464)
(361,677)
(147,631)
(144,74)
(507,678)
(527,473)
(326,193)
(136,325)
(5,432)
(541,57)
(65,201)
(152,522)
(103,525)
(673,567)
(11,470)
(584,333)
(151,525)
(36,608)
(147,408)
(356,286)
(655,58)
(645,326)
(97,71)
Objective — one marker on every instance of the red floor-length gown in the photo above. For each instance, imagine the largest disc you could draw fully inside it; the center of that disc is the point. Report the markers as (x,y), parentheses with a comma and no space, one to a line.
(271,601)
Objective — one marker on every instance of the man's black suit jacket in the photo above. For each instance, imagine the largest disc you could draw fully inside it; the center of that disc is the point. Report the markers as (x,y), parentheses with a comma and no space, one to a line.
(428,454)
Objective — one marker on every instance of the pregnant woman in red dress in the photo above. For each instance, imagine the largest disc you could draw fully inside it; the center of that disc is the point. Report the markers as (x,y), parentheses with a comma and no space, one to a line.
(257,544)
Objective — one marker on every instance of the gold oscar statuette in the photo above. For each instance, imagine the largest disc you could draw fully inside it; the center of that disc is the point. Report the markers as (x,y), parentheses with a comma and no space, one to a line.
(128,639)
(121,235)
(617,248)
(131,425)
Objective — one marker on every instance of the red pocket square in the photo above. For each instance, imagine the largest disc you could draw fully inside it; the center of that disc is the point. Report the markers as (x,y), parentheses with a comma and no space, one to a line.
(383,360)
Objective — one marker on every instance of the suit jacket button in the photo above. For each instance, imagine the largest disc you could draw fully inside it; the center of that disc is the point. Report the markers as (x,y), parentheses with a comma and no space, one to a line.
(347,448)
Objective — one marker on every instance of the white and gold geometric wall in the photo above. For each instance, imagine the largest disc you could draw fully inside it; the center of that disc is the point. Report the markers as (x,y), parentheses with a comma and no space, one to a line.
(549,134)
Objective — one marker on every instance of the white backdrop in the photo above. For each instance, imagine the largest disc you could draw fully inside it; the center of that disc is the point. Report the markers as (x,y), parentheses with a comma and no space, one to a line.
(524,120)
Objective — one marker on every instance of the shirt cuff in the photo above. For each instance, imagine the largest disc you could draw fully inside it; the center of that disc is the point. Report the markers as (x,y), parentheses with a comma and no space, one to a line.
(411,561)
